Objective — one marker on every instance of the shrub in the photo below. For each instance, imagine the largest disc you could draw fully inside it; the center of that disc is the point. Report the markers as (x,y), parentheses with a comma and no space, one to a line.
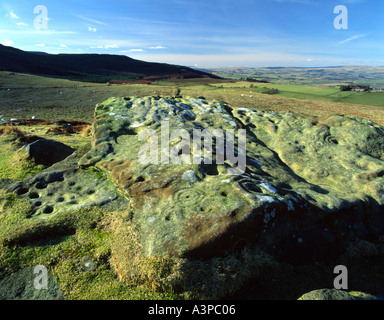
(270,91)
(12,130)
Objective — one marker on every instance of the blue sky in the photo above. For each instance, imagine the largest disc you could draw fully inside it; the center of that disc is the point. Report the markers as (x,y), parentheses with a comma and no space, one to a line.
(204,33)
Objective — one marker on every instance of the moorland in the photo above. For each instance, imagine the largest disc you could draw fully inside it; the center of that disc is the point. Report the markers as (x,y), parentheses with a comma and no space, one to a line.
(324,76)
(34,104)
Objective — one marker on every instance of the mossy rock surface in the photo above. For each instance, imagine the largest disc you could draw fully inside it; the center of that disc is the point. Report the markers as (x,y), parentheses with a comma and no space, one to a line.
(308,189)
(63,188)
(308,186)
(29,284)
(334,294)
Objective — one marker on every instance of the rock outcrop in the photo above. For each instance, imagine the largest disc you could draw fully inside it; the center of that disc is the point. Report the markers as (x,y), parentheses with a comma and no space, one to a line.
(64,187)
(48,152)
(307,188)
(28,284)
(333,294)
(300,189)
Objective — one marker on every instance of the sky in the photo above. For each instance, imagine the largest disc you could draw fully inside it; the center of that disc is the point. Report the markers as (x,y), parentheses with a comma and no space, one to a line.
(202,33)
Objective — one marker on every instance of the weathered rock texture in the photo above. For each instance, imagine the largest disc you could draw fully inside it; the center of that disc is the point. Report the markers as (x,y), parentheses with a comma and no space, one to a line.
(308,187)
(48,152)
(21,286)
(64,187)
(333,294)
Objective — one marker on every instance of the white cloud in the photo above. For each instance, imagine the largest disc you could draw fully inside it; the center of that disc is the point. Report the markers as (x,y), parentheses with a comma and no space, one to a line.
(35,32)
(91,20)
(7,43)
(259,59)
(136,50)
(40,45)
(107,46)
(157,47)
(355,37)
(111,46)
(92,29)
(13,15)
(132,50)
(21,24)
(63,45)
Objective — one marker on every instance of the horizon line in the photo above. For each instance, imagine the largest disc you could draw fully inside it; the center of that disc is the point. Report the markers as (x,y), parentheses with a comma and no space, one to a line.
(204,67)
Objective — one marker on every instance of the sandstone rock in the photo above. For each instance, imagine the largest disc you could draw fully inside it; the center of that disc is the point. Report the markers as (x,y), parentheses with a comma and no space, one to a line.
(68,127)
(88,264)
(5,183)
(48,152)
(190,177)
(341,155)
(20,286)
(308,186)
(327,294)
(334,294)
(63,187)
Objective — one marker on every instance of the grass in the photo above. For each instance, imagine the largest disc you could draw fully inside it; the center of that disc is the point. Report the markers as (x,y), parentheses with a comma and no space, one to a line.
(318,93)
(14,162)
(239,94)
(332,76)
(55,99)
(59,99)
(61,243)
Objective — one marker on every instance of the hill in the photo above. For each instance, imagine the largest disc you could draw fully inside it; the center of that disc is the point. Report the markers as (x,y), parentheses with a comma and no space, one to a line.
(328,76)
(23,96)
(90,67)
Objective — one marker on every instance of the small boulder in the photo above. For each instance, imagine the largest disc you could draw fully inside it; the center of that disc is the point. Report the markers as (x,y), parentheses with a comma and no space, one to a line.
(21,285)
(5,183)
(68,127)
(48,152)
(190,177)
(327,294)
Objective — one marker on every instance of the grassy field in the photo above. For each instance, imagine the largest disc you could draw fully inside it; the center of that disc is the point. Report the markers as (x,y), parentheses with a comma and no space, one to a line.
(61,253)
(315,101)
(320,93)
(13,159)
(372,76)
(23,96)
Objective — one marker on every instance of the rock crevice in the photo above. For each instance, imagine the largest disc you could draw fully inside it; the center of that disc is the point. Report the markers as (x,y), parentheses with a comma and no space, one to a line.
(308,187)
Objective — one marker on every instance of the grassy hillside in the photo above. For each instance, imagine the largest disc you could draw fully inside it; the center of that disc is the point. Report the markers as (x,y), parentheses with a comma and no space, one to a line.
(23,96)
(89,67)
(373,76)
(321,93)
(56,99)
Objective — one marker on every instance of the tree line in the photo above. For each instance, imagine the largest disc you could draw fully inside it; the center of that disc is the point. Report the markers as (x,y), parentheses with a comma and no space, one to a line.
(351,87)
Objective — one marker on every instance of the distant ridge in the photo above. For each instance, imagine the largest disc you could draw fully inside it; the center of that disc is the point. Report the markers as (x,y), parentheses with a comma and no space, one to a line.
(90,67)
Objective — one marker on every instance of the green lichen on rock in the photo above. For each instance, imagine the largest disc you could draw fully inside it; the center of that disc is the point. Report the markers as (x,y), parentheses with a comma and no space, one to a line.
(64,188)
(342,155)
(22,285)
(309,187)
(334,294)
